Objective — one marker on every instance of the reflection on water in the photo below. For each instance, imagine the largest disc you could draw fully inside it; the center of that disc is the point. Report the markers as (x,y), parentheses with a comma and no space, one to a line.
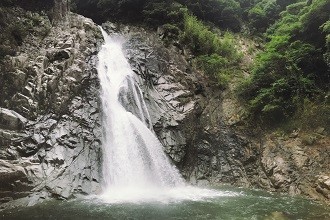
(233,204)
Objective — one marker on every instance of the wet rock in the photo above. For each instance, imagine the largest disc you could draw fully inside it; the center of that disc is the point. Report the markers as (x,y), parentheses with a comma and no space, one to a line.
(18,78)
(29,90)
(323,185)
(38,138)
(75,72)
(58,54)
(11,120)
(24,105)
(308,139)
(294,134)
(110,27)
(320,130)
(59,152)
(13,177)
(19,61)
(276,168)
(299,157)
(180,115)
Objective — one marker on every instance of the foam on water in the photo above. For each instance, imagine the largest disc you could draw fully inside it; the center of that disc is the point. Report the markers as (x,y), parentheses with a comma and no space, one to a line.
(163,195)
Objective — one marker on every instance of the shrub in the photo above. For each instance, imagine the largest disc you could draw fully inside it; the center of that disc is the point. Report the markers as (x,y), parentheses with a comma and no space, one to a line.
(216,55)
(226,14)
(203,41)
(159,13)
(293,66)
(211,64)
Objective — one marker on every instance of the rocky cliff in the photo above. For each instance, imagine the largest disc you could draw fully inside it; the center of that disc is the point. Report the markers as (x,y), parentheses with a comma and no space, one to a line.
(50,117)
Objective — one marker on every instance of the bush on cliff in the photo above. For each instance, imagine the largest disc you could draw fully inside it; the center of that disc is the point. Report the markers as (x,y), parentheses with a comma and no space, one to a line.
(294,65)
(216,54)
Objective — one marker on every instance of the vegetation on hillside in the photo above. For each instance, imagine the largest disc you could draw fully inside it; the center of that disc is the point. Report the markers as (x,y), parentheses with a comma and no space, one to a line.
(293,70)
(18,19)
(215,54)
(16,24)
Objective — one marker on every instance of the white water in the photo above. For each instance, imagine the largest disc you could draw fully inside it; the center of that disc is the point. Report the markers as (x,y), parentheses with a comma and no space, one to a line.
(135,168)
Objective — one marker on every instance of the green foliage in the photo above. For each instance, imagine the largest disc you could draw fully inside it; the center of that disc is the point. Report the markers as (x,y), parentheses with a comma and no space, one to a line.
(159,13)
(12,35)
(293,66)
(314,114)
(7,2)
(198,37)
(211,64)
(203,41)
(31,5)
(219,67)
(18,31)
(326,29)
(226,14)
(171,33)
(216,54)
(102,10)
(265,12)
(16,24)
(269,101)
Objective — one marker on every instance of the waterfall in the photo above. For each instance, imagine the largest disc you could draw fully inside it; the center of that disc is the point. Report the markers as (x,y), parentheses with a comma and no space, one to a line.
(134,164)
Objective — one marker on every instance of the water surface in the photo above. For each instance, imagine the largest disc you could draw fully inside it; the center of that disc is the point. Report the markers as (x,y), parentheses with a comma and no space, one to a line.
(235,203)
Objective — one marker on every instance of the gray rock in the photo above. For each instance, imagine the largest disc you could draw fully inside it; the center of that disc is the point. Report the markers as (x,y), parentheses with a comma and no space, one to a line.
(59,154)
(38,138)
(19,61)
(58,54)
(14,181)
(11,120)
(18,78)
(323,185)
(23,104)
(28,90)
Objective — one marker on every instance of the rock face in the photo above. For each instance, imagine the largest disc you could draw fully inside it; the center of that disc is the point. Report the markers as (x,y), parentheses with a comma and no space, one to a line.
(50,126)
(294,166)
(11,120)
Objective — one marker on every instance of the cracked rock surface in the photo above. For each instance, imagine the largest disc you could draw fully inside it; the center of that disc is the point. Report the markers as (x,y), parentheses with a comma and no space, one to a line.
(50,127)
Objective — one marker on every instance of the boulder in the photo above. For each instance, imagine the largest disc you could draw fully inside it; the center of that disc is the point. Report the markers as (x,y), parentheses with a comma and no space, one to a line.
(58,54)
(323,185)
(10,173)
(11,120)
(18,78)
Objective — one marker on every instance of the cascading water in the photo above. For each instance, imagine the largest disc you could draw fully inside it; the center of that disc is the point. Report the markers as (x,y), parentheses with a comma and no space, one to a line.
(135,167)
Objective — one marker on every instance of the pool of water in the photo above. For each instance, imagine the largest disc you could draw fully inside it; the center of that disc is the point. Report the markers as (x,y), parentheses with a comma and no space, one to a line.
(231,203)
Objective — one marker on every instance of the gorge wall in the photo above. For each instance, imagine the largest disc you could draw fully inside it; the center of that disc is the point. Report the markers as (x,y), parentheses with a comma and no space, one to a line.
(50,128)
(49,116)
